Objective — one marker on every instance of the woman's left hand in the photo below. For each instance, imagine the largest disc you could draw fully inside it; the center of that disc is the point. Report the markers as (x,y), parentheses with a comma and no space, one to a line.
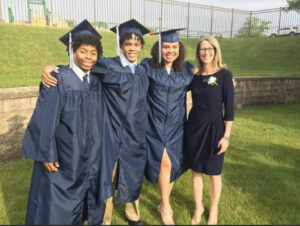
(223,145)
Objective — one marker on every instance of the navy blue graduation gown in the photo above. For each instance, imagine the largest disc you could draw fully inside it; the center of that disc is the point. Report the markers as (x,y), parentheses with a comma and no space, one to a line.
(167,113)
(69,125)
(125,96)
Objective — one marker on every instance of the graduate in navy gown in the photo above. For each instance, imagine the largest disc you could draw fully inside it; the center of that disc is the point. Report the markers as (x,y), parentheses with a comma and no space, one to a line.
(208,130)
(169,77)
(125,85)
(69,139)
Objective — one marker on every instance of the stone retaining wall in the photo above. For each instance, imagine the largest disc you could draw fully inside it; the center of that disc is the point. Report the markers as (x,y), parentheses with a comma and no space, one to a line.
(252,91)
(17,104)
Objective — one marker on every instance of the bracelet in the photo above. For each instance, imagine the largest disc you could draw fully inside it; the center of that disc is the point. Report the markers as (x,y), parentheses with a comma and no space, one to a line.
(226,138)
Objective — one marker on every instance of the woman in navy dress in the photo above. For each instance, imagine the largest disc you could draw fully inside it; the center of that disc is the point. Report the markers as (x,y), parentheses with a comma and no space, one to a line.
(206,134)
(168,82)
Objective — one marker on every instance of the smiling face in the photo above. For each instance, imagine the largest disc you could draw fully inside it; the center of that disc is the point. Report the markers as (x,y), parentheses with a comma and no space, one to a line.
(85,57)
(132,48)
(169,52)
(206,52)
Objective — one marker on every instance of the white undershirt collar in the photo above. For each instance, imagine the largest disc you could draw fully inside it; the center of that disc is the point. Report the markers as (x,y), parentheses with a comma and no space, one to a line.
(125,62)
(80,73)
(168,70)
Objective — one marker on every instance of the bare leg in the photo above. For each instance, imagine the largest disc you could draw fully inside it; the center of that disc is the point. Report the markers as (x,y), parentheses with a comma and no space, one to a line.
(198,192)
(165,190)
(171,187)
(215,193)
(170,190)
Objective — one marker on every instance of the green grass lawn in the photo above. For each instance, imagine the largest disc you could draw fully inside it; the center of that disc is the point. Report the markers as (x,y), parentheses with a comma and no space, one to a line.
(258,56)
(25,50)
(260,177)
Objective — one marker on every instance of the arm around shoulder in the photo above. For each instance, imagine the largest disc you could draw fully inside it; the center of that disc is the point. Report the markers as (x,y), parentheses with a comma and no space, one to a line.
(47,79)
(102,66)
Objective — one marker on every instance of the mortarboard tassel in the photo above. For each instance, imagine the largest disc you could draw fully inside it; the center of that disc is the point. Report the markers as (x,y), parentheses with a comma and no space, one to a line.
(118,41)
(159,48)
(70,51)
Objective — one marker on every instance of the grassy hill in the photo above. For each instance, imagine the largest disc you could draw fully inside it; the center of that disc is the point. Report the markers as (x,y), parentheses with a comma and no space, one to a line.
(25,50)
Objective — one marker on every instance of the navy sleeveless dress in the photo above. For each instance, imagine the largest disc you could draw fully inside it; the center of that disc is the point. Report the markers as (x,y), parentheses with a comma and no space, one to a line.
(205,126)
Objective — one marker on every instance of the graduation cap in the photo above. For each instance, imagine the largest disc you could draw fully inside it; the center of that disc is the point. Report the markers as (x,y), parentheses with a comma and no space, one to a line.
(130,26)
(83,28)
(167,36)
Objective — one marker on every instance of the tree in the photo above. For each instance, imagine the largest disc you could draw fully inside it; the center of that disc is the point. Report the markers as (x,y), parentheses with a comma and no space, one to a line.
(293,5)
(71,23)
(100,24)
(253,27)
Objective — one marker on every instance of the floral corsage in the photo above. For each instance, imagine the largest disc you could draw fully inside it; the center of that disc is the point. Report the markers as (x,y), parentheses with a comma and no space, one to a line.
(212,81)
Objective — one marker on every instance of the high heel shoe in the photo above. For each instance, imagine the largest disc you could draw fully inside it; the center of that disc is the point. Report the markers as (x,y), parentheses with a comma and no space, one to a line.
(197,217)
(213,219)
(158,209)
(166,216)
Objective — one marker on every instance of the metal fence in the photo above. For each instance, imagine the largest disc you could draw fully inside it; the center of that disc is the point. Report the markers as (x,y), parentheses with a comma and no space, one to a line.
(155,14)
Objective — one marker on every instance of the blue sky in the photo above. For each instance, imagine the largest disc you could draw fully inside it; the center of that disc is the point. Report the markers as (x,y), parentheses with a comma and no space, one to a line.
(242,4)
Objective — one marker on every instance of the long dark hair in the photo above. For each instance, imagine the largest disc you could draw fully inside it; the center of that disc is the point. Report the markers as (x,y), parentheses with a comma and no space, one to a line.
(177,64)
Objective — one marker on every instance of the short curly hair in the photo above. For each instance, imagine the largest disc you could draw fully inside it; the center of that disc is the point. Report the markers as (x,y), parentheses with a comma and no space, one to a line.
(177,64)
(87,39)
(129,36)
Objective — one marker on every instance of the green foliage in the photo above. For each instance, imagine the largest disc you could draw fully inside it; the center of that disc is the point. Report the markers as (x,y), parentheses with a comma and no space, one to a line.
(100,24)
(260,177)
(293,5)
(71,23)
(253,27)
(218,35)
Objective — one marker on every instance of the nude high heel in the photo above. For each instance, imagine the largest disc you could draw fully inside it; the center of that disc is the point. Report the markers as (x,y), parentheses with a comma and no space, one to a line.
(166,216)
(197,217)
(213,219)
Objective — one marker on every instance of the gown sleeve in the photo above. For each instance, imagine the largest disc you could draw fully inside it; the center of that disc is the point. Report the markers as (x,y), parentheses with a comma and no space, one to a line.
(39,140)
(104,69)
(147,63)
(189,67)
(228,96)
(100,68)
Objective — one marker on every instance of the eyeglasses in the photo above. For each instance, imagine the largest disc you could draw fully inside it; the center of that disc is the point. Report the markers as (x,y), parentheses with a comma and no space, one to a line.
(210,50)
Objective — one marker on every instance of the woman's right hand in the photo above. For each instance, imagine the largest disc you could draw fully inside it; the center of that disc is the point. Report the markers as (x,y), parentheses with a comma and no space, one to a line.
(47,79)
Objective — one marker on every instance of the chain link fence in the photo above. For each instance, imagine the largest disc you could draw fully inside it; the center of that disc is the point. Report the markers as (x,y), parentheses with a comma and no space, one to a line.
(155,14)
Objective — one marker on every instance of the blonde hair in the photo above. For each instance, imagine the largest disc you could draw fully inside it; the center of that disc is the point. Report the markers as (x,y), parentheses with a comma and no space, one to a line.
(217,61)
